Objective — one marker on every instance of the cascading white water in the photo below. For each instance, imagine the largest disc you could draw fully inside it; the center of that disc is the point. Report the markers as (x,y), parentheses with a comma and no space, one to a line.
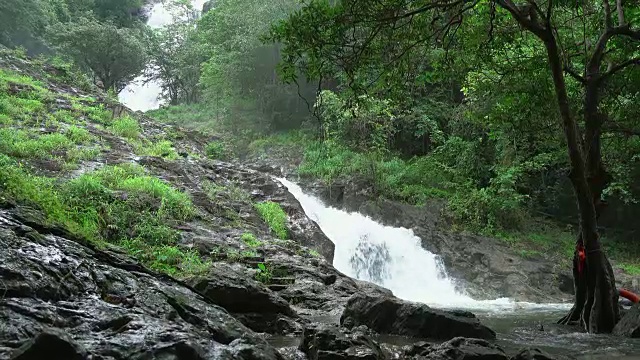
(141,94)
(393,258)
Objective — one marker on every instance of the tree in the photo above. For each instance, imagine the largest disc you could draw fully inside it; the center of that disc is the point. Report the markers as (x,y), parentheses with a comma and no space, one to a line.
(115,56)
(239,73)
(364,42)
(177,55)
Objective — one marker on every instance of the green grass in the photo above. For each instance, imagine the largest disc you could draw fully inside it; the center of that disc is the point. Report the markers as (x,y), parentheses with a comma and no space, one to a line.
(116,204)
(250,240)
(126,126)
(632,269)
(78,135)
(274,216)
(161,148)
(21,144)
(314,253)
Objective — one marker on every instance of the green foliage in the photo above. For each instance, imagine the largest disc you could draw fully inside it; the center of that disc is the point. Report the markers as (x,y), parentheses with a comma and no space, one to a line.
(78,135)
(117,204)
(177,53)
(126,126)
(161,148)
(216,150)
(263,274)
(94,45)
(250,240)
(238,73)
(273,214)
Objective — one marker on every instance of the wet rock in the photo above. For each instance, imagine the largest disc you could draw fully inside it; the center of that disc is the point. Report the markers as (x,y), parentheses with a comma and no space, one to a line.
(260,308)
(50,344)
(532,354)
(390,315)
(250,348)
(329,342)
(421,348)
(629,324)
(466,349)
(106,303)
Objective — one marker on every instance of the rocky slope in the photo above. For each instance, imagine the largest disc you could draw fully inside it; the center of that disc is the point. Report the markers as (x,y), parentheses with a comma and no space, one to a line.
(121,240)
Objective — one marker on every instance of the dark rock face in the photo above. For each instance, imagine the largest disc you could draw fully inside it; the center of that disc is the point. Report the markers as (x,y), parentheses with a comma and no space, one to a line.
(49,344)
(110,306)
(629,324)
(465,349)
(329,342)
(389,315)
(532,354)
(240,295)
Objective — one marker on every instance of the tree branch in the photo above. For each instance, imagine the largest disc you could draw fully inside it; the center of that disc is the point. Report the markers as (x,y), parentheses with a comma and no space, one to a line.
(619,67)
(575,75)
(523,19)
(607,15)
(601,45)
(620,13)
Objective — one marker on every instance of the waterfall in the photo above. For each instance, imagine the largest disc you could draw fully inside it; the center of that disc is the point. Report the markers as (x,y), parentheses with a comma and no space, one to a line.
(393,258)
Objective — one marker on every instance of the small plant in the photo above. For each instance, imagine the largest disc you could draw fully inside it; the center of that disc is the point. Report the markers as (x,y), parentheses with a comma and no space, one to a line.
(263,274)
(78,135)
(126,126)
(250,240)
(314,253)
(273,214)
(216,150)
(162,148)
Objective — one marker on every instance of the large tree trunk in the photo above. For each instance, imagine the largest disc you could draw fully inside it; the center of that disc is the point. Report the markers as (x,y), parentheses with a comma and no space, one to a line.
(596,300)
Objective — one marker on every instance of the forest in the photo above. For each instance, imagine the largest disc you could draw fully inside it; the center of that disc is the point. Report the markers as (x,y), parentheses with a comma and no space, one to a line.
(522,117)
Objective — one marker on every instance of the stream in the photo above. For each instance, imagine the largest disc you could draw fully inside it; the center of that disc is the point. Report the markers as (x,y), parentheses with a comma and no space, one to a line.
(393,258)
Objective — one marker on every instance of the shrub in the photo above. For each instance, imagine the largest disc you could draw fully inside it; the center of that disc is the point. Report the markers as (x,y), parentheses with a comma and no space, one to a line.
(274,216)
(126,126)
(216,150)
(78,135)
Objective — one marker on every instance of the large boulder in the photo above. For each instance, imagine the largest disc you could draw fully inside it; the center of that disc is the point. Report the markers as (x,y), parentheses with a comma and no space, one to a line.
(330,342)
(465,349)
(251,302)
(629,324)
(532,354)
(390,315)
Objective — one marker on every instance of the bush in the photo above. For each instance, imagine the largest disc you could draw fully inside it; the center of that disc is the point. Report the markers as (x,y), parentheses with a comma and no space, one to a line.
(274,216)
(126,126)
(216,150)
